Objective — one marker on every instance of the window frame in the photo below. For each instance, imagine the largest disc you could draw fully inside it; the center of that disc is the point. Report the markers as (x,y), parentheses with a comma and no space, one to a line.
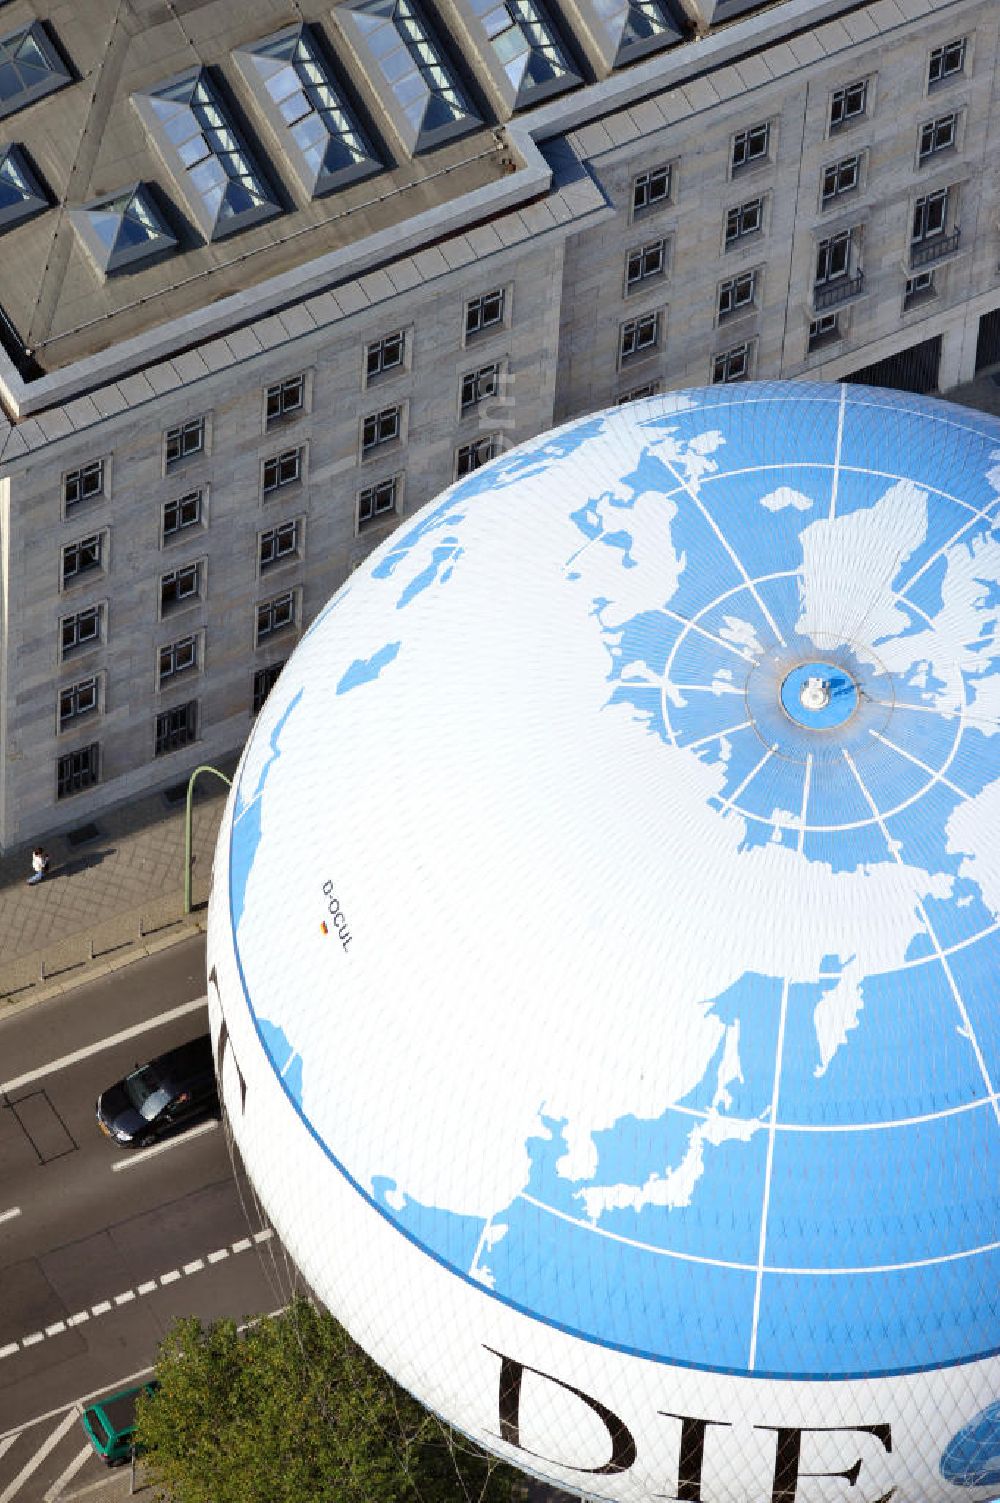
(914,296)
(184,455)
(819,339)
(835,194)
(659,273)
(394,417)
(639,393)
(69,721)
(379,516)
(484,331)
(198,493)
(748,348)
(850,118)
(467,405)
(945,77)
(177,738)
(640,184)
(267,671)
(490,440)
(384,372)
(935,148)
(92,774)
(648,348)
(296,526)
(751,161)
(921,205)
(292,597)
(739,233)
(830,246)
(296,458)
(194,640)
(197,568)
(284,415)
(78,648)
(737,306)
(99,566)
(70,506)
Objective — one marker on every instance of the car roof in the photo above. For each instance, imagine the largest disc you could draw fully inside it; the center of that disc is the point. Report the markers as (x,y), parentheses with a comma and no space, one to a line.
(192,1058)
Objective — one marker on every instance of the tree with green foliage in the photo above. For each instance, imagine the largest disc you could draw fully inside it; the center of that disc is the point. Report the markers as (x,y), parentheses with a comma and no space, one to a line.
(291,1410)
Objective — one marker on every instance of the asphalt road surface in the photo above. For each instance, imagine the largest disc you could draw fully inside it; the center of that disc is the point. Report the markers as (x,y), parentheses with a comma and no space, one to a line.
(101,1248)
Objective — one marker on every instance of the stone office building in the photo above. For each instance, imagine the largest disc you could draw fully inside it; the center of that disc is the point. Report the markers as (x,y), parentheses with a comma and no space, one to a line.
(273,274)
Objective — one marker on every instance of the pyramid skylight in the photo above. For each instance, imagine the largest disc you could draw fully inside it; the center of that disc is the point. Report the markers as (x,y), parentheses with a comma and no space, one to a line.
(299,95)
(529,60)
(21,196)
(415,81)
(626,30)
(30,68)
(221,184)
(122,229)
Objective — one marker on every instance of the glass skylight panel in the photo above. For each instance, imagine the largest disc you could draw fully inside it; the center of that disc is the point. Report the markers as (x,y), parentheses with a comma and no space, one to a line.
(625,30)
(122,229)
(532,60)
(421,95)
(298,93)
(221,183)
(21,195)
(30,68)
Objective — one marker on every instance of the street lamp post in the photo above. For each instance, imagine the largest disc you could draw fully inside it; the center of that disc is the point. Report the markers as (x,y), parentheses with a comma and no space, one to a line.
(187,826)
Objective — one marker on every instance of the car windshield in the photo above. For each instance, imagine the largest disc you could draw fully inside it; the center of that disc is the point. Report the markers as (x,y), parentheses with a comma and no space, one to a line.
(147,1092)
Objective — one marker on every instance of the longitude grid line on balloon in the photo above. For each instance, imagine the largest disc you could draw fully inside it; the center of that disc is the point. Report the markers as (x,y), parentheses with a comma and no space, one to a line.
(964,715)
(803,812)
(835,487)
(740,566)
(936,776)
(979,515)
(729,803)
(779,1050)
(932,936)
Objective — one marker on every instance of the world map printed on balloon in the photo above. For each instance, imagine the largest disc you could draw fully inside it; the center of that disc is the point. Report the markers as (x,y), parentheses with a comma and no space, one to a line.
(631,824)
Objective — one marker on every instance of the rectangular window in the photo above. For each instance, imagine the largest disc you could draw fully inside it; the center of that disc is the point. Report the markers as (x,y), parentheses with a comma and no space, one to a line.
(275,615)
(651,189)
(750,146)
(637,336)
(650,389)
(82,557)
(824,330)
(732,365)
(848,104)
(746,219)
(177,658)
(180,586)
(471,456)
(385,355)
(282,470)
(84,484)
(285,399)
(737,294)
(183,441)
(840,178)
(946,62)
(937,135)
(78,770)
(484,312)
(478,386)
(930,216)
(833,258)
(380,428)
(918,289)
(264,680)
(77,700)
(645,263)
(176,728)
(377,501)
(181,514)
(81,630)
(278,543)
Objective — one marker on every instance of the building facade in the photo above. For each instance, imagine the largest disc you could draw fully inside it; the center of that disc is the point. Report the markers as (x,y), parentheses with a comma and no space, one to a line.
(235,358)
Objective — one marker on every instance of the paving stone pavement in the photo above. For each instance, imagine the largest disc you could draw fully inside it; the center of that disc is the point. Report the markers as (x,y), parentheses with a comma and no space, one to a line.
(110,897)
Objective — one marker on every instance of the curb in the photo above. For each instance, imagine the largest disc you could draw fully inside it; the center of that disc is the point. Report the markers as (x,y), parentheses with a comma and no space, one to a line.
(181,929)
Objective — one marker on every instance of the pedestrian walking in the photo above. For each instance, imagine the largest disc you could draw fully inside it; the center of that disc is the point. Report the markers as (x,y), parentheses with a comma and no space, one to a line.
(39,865)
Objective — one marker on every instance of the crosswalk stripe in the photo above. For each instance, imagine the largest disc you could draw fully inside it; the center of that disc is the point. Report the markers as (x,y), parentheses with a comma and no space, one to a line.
(59,1484)
(18,1482)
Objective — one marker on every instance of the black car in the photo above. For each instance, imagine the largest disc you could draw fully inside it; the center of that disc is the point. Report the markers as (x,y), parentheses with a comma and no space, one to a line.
(170,1092)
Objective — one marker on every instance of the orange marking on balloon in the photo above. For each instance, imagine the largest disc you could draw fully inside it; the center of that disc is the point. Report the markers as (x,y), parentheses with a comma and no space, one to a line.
(323,926)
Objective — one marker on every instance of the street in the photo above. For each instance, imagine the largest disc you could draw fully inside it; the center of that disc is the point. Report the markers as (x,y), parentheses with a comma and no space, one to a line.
(101,1248)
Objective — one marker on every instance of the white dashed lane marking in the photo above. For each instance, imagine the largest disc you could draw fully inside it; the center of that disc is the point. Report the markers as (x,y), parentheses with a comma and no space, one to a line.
(171,1276)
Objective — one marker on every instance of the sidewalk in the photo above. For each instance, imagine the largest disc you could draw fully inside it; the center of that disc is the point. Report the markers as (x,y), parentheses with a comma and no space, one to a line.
(115,892)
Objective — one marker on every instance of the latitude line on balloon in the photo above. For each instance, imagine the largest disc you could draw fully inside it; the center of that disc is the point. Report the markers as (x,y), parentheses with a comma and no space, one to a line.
(686,486)
(847,1270)
(932,935)
(779,1052)
(730,730)
(831,514)
(730,802)
(936,777)
(719,641)
(695,688)
(891,1124)
(783,466)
